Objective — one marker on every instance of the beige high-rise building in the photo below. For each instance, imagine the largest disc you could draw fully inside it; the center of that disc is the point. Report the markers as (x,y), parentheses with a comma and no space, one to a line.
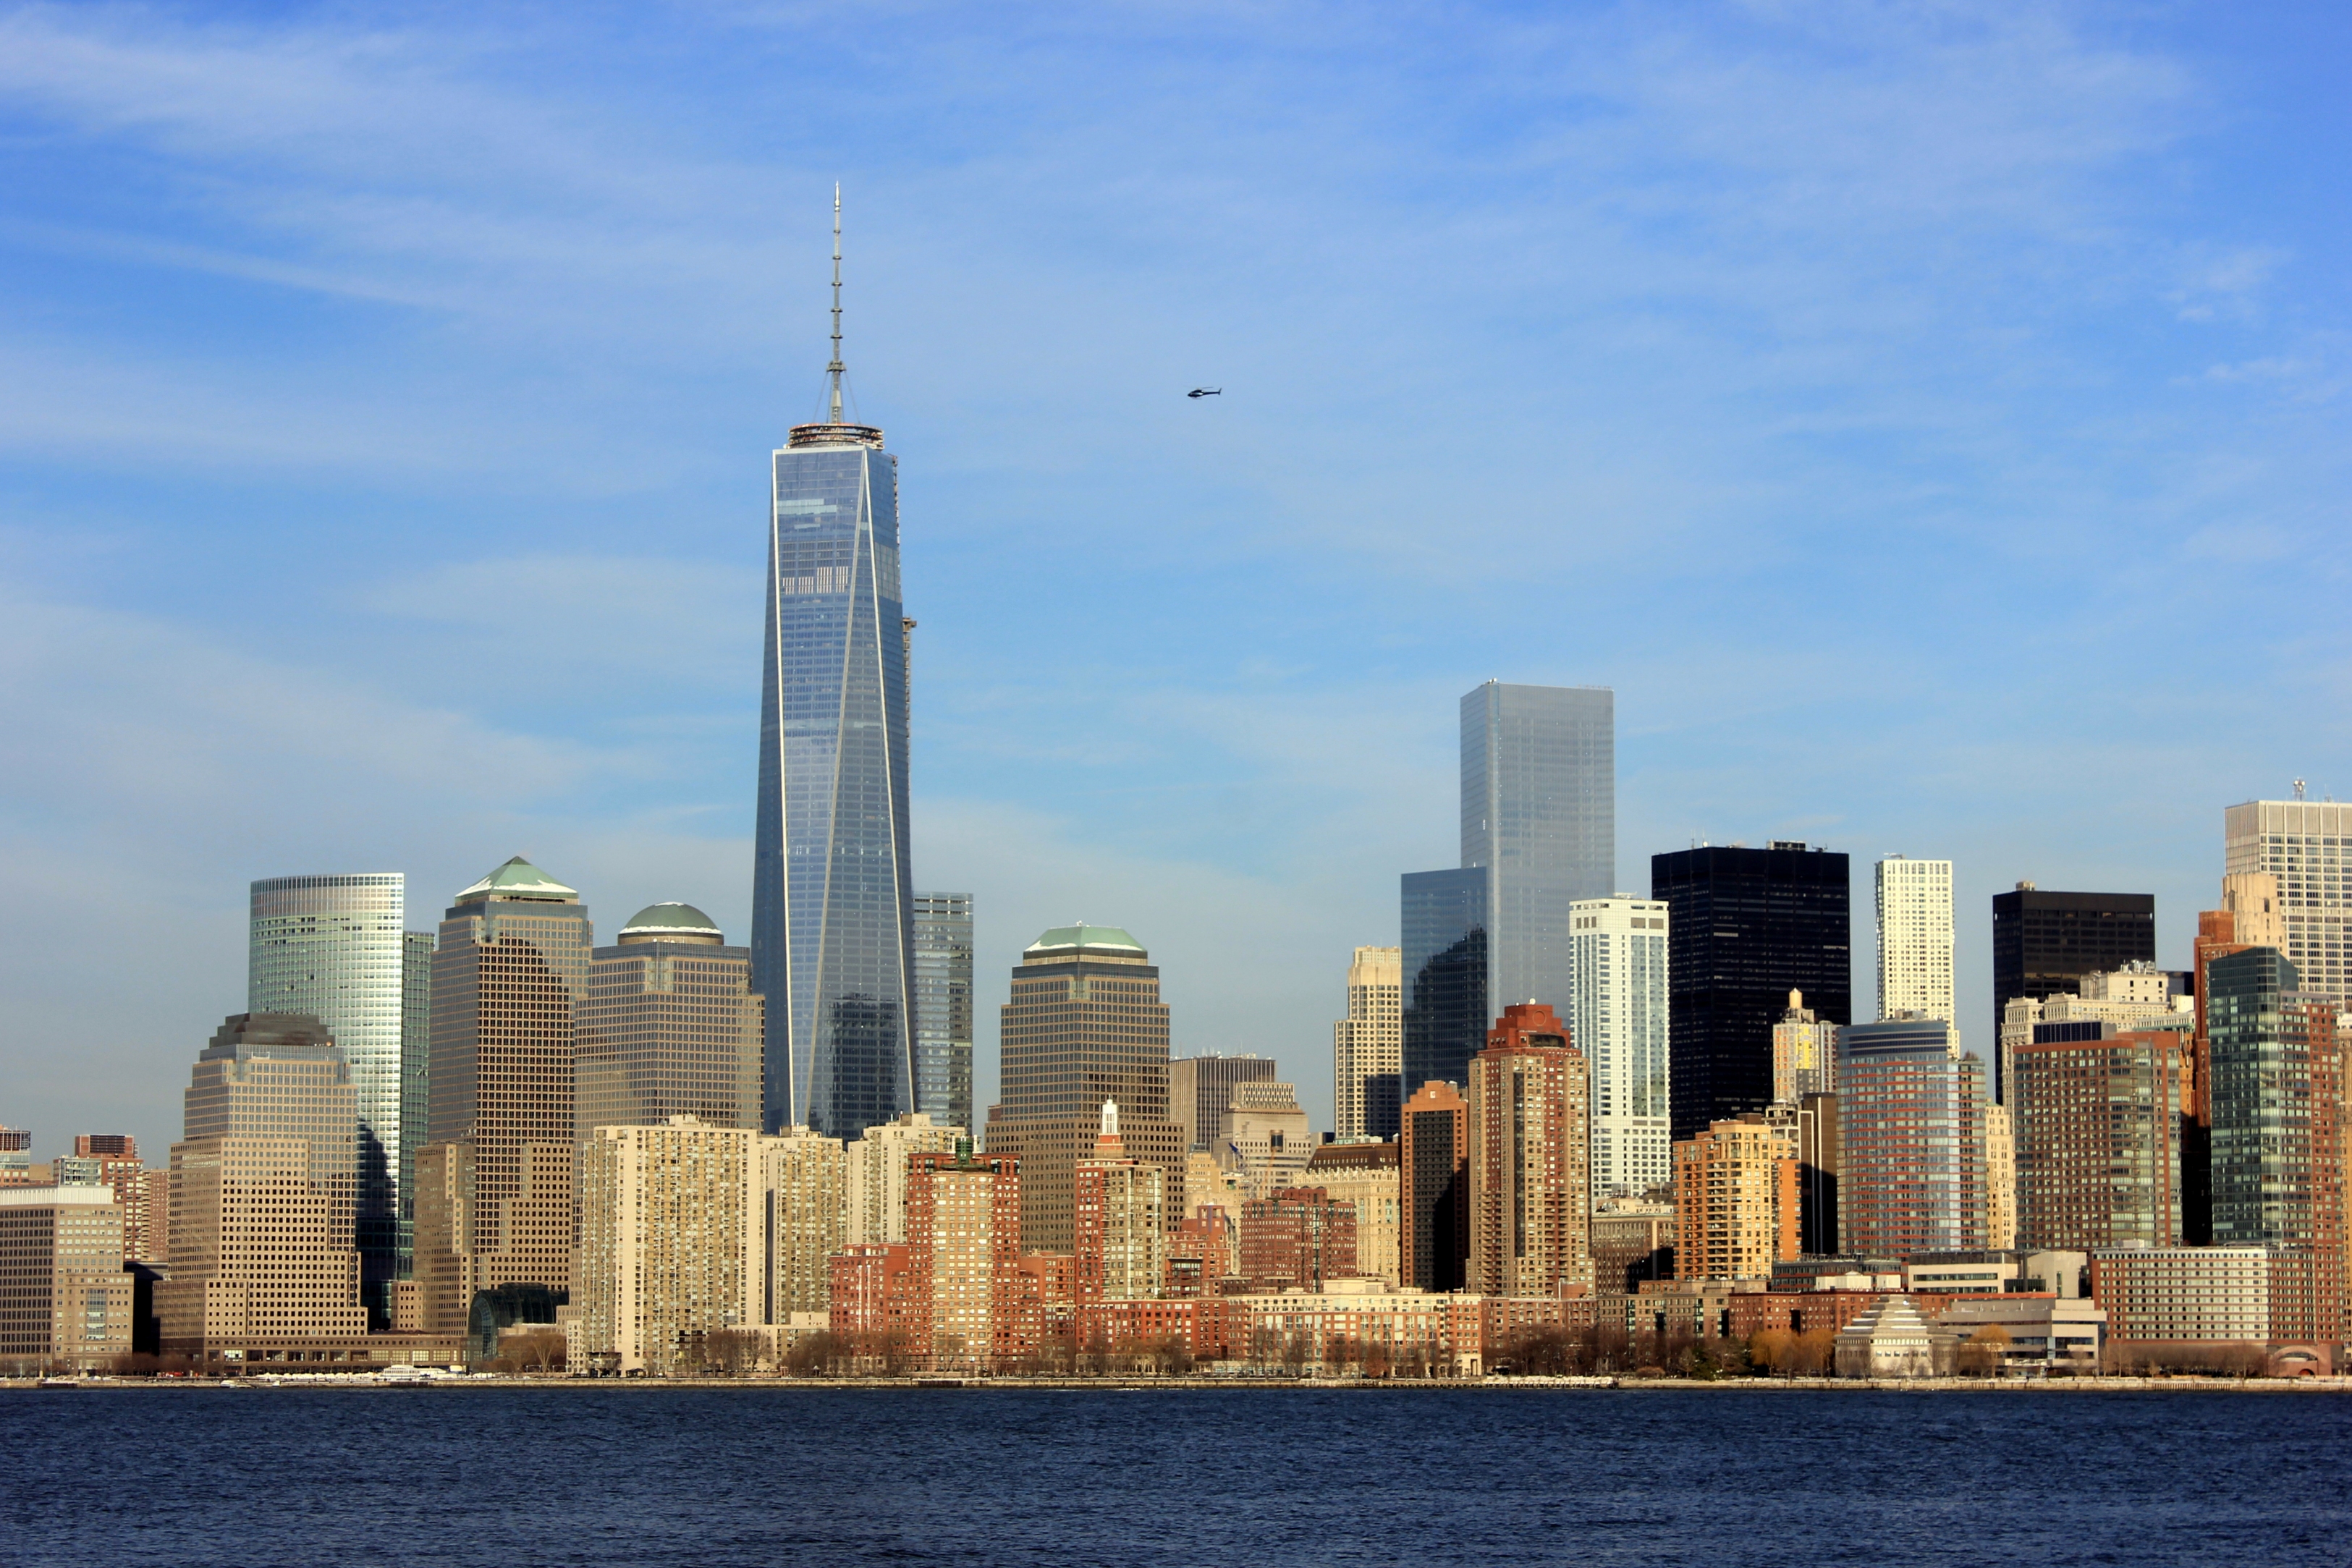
(1084,1024)
(1208,1183)
(2306,845)
(805,1177)
(509,979)
(1736,1199)
(672,1223)
(1914,938)
(1119,1232)
(670,1026)
(64,1298)
(1264,1136)
(1368,1047)
(263,1187)
(1804,1053)
(1367,1176)
(874,1183)
(2000,1178)
(1200,1087)
(1530,1158)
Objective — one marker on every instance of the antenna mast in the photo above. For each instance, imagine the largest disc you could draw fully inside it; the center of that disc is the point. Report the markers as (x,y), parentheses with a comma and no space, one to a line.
(835,369)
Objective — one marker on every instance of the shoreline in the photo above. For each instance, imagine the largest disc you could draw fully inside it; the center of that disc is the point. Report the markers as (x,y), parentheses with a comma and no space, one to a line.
(368,1382)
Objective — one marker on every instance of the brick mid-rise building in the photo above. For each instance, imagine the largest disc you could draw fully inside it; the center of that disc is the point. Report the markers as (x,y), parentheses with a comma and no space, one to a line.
(1530,1165)
(1297,1239)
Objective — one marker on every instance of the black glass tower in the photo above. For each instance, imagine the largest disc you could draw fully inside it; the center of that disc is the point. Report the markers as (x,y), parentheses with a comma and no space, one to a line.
(2044,943)
(1744,928)
(1444,972)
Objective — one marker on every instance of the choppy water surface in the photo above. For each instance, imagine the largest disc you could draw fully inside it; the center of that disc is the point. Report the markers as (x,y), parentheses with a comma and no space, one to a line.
(504,1478)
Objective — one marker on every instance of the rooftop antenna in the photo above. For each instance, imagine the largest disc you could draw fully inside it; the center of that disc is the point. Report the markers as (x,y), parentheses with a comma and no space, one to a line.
(835,370)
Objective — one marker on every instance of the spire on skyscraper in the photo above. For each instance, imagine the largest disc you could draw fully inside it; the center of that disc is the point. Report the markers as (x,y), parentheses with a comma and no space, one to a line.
(834,369)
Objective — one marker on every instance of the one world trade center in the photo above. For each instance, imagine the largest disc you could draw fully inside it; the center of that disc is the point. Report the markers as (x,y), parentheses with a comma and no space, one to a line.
(832,909)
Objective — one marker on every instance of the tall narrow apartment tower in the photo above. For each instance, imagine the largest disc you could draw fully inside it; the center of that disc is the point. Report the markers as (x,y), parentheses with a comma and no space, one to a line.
(1367,1050)
(833,908)
(1914,938)
(1540,815)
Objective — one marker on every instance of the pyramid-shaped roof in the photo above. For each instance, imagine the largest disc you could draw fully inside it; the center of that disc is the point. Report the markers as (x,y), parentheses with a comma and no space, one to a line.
(519,878)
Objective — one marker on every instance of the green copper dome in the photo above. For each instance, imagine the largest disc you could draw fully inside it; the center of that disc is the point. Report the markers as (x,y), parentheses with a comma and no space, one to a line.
(1085,936)
(670,920)
(519,878)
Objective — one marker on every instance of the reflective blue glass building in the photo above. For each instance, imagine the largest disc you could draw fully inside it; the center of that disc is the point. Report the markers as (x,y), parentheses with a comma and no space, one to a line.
(1539,813)
(1444,975)
(832,906)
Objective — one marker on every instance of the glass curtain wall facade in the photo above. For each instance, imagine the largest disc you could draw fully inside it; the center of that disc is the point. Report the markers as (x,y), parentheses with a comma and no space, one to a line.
(943,1016)
(1445,975)
(1539,813)
(335,947)
(1747,927)
(832,905)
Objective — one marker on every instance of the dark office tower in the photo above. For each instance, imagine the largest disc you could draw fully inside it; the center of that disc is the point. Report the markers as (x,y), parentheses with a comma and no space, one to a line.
(2044,943)
(1539,814)
(833,915)
(1434,1221)
(1444,968)
(1084,1024)
(943,1007)
(1746,927)
(2277,1151)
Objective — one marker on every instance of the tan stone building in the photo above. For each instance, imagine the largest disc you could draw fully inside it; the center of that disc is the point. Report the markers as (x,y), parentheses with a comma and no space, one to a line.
(263,1187)
(803,1174)
(1370,1177)
(1265,1137)
(1121,1226)
(874,1175)
(670,1026)
(672,1226)
(64,1298)
(509,979)
(1736,1199)
(1368,1046)
(1530,1163)
(1084,1024)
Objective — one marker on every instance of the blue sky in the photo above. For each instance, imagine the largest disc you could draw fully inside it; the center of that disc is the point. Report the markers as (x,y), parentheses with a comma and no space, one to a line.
(1929,418)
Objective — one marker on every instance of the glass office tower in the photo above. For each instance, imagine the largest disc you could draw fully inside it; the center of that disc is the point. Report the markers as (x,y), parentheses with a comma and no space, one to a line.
(1744,927)
(943,1007)
(1445,967)
(1539,813)
(334,946)
(832,906)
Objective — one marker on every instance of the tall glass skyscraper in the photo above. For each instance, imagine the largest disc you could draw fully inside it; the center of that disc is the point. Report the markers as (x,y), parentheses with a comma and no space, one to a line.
(943,1007)
(1539,813)
(335,947)
(833,909)
(1443,968)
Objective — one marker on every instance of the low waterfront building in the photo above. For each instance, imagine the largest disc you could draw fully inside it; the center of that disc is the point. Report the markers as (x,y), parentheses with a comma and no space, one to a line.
(1893,1339)
(2037,1332)
(65,1300)
(2184,1296)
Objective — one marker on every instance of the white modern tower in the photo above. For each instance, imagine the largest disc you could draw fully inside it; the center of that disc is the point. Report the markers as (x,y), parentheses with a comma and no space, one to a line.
(1914,938)
(1620,1020)
(2307,845)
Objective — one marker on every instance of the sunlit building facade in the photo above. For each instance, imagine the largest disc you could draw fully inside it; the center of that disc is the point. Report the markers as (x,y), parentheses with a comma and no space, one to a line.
(670,1027)
(1622,1024)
